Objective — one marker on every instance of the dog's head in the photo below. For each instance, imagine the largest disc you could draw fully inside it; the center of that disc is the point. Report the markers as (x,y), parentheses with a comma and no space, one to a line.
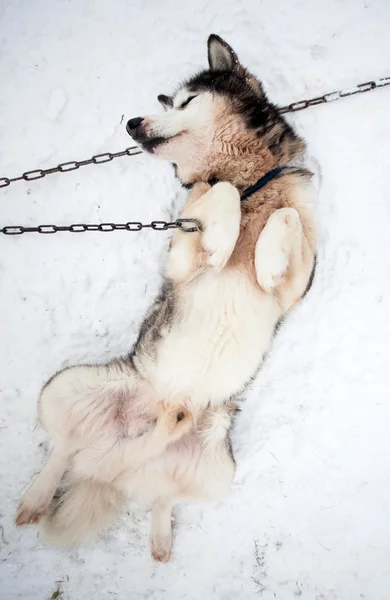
(217,121)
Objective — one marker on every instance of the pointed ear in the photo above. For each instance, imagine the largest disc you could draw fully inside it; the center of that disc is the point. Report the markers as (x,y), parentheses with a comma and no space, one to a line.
(221,56)
(165,101)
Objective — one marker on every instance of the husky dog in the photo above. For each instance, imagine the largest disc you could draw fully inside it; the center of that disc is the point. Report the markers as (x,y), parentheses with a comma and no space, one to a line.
(155,424)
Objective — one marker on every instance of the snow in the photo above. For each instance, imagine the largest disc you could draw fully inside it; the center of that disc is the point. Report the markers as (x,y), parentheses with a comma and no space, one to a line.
(308,515)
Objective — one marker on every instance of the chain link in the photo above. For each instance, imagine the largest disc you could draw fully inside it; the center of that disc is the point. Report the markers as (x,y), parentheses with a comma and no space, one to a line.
(186,225)
(332,96)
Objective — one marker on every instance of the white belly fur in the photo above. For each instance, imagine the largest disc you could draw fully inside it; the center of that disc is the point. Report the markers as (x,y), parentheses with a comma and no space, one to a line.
(218,344)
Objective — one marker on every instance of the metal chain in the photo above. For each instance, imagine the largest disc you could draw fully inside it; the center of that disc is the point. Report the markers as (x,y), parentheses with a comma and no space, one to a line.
(332,96)
(182,224)
(71,165)
(132,151)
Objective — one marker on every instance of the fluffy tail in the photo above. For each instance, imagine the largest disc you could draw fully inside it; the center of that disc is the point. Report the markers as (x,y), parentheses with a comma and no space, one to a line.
(81,511)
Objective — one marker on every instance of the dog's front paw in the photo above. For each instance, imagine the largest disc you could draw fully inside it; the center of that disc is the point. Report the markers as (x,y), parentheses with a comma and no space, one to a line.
(274,247)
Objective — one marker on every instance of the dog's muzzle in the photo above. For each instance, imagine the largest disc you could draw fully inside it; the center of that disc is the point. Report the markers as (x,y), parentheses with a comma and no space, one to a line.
(135,129)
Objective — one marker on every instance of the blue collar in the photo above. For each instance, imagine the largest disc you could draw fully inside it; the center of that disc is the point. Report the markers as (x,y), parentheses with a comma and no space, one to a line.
(262,182)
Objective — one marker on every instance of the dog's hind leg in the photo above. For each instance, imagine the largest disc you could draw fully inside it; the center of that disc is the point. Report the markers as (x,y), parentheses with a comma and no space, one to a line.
(39,495)
(219,212)
(200,469)
(161,529)
(77,407)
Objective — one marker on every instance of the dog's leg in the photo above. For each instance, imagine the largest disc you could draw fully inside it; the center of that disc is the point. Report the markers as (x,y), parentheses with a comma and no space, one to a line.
(161,530)
(39,495)
(284,258)
(219,213)
(274,248)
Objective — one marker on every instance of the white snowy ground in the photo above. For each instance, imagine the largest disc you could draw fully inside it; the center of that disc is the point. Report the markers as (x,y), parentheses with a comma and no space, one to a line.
(309,515)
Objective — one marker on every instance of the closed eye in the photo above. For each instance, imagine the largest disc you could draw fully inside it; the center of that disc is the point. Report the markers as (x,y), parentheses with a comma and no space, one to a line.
(184,104)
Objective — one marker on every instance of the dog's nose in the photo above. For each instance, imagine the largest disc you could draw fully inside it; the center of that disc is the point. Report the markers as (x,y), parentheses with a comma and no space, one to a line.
(133,124)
